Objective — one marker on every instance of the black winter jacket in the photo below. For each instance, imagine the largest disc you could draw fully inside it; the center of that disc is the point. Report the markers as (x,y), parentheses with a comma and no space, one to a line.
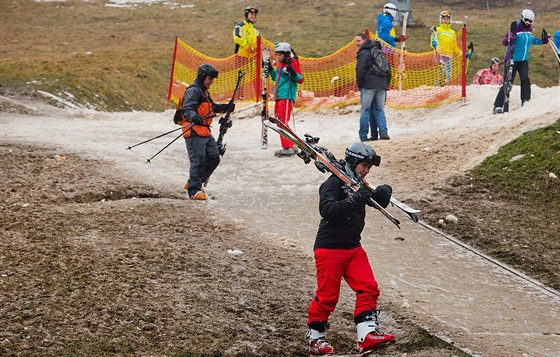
(342,219)
(364,75)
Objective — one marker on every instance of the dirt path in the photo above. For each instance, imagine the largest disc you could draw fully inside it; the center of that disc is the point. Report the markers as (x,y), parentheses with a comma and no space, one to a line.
(269,209)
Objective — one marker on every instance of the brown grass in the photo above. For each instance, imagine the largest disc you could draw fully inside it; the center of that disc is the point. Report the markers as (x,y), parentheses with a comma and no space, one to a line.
(120,58)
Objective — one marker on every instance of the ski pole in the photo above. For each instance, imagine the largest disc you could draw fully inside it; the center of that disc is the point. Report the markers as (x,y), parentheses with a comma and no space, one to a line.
(155,137)
(165,147)
(172,141)
(169,132)
(210,114)
(555,49)
(294,116)
(248,107)
(552,44)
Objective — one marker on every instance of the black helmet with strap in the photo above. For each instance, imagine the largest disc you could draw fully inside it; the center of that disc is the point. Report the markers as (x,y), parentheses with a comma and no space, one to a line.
(249,9)
(360,152)
(206,70)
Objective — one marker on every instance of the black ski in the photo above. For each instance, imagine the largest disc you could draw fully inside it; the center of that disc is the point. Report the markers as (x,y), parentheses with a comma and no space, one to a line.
(225,122)
(508,68)
(325,161)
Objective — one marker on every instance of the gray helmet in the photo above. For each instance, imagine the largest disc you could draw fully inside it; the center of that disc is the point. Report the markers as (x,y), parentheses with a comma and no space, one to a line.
(206,70)
(282,47)
(360,152)
(494,60)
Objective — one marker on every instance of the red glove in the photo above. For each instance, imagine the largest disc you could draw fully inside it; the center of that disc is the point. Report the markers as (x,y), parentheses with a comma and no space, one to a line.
(401,38)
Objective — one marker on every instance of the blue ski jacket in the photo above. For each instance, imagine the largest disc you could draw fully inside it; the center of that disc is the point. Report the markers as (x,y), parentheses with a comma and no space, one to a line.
(524,39)
(385,29)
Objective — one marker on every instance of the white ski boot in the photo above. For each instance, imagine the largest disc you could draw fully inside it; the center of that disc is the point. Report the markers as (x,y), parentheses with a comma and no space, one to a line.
(369,337)
(318,345)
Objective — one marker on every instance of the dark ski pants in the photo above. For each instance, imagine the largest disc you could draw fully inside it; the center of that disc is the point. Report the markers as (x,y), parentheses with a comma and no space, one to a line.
(332,266)
(523,69)
(204,157)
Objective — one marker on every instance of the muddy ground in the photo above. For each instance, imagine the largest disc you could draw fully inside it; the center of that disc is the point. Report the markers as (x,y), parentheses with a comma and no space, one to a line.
(92,263)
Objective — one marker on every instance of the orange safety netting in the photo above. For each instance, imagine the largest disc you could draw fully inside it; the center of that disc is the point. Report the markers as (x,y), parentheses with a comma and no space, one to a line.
(418,79)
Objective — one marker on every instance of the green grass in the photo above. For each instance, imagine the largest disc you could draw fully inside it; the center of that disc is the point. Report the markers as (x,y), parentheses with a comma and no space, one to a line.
(119,59)
(509,205)
(522,169)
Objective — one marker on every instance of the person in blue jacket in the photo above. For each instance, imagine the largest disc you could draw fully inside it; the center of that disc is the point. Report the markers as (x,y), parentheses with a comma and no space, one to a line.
(523,40)
(385,28)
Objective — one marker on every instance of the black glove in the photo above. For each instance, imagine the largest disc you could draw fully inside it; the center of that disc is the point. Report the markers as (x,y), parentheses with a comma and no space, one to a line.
(196,120)
(291,71)
(231,107)
(382,195)
(545,37)
(362,196)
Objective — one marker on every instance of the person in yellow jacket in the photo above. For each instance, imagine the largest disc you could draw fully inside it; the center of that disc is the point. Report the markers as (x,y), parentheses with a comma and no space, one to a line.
(245,34)
(245,37)
(444,41)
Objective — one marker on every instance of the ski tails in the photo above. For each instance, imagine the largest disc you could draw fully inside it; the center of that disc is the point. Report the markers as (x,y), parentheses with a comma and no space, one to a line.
(325,161)
(264,95)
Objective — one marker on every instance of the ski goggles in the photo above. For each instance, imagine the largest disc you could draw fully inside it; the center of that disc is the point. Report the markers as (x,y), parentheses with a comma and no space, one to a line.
(528,21)
(372,160)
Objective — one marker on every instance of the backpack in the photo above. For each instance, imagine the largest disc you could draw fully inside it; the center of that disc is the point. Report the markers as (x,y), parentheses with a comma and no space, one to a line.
(380,66)
(178,116)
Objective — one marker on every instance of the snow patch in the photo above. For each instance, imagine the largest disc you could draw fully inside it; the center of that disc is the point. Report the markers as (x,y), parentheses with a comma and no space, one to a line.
(136,3)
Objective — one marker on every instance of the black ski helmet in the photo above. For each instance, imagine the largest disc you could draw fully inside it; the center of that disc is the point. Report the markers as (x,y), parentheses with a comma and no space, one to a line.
(360,152)
(249,9)
(494,60)
(206,70)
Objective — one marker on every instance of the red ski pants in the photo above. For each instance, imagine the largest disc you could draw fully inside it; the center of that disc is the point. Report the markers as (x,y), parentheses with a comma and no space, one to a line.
(283,108)
(334,264)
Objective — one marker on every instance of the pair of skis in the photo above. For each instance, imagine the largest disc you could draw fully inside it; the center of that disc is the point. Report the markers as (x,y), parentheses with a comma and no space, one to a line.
(225,122)
(264,95)
(508,69)
(325,161)
(441,80)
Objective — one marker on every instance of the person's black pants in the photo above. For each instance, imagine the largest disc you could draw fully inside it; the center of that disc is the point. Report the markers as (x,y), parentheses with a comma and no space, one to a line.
(523,69)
